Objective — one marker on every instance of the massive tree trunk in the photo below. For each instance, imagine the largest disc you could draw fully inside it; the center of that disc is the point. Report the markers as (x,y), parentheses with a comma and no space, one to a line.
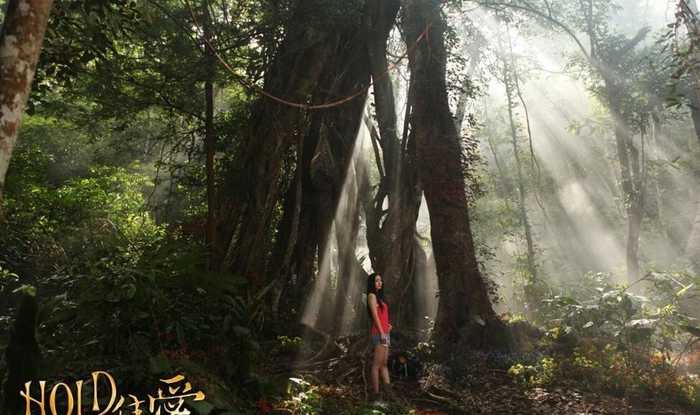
(313,203)
(294,257)
(340,126)
(20,45)
(391,230)
(465,313)
(275,126)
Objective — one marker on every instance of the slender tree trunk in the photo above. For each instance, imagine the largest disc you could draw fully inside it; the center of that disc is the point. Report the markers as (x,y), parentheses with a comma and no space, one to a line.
(382,239)
(692,248)
(210,141)
(532,269)
(288,232)
(465,95)
(628,157)
(695,110)
(20,44)
(505,188)
(381,15)
(465,313)
(297,277)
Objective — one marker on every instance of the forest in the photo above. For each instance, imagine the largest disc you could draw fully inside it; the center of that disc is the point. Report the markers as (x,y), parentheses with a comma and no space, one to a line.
(206,207)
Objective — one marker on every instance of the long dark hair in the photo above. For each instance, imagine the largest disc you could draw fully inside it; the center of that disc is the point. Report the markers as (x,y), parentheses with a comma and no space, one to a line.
(371,289)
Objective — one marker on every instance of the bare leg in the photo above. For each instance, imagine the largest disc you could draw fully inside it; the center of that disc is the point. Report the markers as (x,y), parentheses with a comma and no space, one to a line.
(376,366)
(384,368)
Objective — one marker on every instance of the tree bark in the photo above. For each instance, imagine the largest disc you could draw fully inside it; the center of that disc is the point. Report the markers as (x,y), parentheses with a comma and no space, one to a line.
(692,248)
(695,110)
(294,75)
(20,44)
(324,161)
(210,140)
(296,275)
(288,232)
(391,231)
(532,269)
(339,130)
(379,20)
(628,157)
(465,313)
(22,356)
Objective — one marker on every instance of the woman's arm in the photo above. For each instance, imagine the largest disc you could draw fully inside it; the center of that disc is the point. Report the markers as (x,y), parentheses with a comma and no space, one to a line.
(372,301)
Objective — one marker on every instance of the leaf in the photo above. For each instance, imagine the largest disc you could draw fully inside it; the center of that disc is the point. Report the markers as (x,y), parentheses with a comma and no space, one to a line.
(684,289)
(587,325)
(129,291)
(26,289)
(299,381)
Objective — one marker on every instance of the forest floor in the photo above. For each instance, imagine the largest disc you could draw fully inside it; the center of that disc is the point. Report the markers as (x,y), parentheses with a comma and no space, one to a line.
(496,395)
(339,384)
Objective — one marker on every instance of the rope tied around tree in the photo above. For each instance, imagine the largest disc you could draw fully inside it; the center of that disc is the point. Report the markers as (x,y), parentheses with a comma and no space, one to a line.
(308,107)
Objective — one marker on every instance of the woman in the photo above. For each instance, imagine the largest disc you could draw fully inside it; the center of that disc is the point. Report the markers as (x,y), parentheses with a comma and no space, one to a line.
(379,315)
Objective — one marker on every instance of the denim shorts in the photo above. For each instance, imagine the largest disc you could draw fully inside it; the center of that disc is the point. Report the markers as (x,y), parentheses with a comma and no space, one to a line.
(376,339)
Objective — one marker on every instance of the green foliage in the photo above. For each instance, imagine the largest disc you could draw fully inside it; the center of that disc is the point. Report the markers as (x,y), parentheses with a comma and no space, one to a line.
(118,290)
(303,397)
(541,374)
(7,278)
(288,345)
(620,341)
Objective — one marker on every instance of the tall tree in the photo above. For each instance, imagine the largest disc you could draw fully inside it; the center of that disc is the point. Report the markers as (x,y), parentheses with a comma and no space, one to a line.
(608,56)
(20,44)
(210,134)
(687,14)
(465,312)
(311,39)
(690,63)
(320,210)
(392,214)
(511,82)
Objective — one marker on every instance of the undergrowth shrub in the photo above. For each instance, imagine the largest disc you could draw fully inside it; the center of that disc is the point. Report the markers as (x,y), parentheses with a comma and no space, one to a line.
(616,339)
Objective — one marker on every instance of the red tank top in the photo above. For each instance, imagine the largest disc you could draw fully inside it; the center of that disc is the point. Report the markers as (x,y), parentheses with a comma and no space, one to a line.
(383,314)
